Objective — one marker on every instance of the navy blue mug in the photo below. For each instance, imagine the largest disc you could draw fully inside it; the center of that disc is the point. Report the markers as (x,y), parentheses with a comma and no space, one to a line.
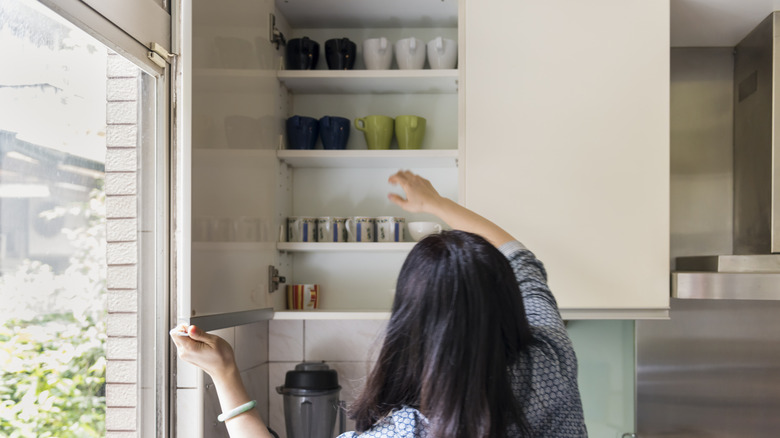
(302,132)
(302,54)
(334,132)
(340,54)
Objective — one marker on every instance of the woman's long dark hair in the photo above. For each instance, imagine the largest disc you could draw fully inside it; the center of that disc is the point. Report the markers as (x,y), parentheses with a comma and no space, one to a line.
(457,323)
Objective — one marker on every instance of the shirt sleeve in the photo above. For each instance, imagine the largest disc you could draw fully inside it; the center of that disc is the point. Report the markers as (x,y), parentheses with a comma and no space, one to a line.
(540,305)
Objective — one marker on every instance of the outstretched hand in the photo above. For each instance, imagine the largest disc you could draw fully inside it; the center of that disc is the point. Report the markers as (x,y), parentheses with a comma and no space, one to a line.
(208,352)
(421,197)
(420,194)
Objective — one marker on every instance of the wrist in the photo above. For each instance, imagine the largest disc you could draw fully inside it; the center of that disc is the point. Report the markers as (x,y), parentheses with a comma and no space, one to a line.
(227,376)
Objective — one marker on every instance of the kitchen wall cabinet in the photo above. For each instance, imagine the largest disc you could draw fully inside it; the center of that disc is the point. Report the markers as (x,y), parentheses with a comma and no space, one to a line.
(554,124)
(240,174)
(567,144)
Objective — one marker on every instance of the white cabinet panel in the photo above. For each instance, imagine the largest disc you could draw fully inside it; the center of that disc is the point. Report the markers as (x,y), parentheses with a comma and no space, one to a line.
(567,142)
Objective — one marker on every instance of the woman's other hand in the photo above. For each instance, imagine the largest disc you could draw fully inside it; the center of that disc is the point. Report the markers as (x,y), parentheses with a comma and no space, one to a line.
(208,352)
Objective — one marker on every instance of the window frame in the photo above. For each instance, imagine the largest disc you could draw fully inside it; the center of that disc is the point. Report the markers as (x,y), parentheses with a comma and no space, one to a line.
(128,35)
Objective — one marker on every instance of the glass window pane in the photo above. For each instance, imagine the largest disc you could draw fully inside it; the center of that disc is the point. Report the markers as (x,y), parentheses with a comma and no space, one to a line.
(52,225)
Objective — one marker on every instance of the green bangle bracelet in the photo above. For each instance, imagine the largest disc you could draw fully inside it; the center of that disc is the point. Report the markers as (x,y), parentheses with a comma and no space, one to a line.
(236,411)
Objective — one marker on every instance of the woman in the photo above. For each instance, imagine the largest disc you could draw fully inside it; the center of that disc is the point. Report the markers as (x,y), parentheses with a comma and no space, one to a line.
(475,346)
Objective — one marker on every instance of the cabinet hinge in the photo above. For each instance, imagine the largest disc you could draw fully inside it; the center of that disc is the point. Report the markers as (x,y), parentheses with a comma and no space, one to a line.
(158,55)
(275,36)
(274,279)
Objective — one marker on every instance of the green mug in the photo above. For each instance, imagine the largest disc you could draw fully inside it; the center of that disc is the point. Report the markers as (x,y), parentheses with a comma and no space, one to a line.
(410,131)
(378,130)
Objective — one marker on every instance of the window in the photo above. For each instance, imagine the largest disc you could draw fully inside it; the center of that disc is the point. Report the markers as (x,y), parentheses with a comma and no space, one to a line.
(83,165)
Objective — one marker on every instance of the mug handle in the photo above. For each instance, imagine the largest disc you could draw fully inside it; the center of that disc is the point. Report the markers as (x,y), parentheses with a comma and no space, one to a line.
(439,44)
(383,44)
(359,128)
(412,44)
(414,122)
(346,225)
(437,227)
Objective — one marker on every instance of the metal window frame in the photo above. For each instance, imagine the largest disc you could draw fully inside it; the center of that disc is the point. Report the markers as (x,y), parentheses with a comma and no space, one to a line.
(130,37)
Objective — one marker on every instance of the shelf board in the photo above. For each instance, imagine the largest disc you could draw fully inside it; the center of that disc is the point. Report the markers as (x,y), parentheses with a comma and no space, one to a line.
(345,246)
(327,81)
(391,158)
(331,314)
(370,81)
(368,13)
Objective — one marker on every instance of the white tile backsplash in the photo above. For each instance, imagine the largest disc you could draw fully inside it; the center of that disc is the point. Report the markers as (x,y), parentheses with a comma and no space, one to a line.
(212,428)
(251,346)
(340,340)
(189,405)
(285,341)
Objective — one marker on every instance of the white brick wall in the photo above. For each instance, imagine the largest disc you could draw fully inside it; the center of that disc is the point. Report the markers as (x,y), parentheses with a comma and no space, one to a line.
(122,249)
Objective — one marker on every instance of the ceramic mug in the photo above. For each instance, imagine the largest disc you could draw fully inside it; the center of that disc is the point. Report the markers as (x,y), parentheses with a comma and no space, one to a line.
(378,130)
(340,54)
(303,296)
(302,54)
(377,53)
(410,131)
(442,53)
(302,132)
(390,229)
(331,229)
(361,229)
(301,229)
(334,132)
(419,230)
(410,53)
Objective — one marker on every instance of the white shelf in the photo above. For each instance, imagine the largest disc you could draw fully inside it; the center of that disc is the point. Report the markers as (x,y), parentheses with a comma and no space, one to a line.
(370,81)
(369,13)
(331,314)
(391,158)
(328,81)
(345,246)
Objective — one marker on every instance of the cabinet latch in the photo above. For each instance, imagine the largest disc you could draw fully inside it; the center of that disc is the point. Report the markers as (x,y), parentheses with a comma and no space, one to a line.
(159,55)
(274,279)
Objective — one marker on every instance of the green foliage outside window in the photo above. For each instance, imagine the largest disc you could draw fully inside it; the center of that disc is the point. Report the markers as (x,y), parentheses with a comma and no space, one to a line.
(52,342)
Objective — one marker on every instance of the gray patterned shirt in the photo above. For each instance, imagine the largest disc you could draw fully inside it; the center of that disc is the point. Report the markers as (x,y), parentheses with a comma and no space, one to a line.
(544,379)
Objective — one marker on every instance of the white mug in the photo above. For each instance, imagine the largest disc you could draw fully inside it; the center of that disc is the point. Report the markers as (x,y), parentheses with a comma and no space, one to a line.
(301,229)
(377,53)
(390,229)
(410,53)
(361,229)
(419,230)
(442,53)
(331,229)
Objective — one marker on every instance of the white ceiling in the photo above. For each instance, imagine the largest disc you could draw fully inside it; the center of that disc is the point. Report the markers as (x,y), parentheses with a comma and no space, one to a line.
(716,23)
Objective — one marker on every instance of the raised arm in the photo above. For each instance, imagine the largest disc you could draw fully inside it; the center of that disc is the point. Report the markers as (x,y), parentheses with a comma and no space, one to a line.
(422,197)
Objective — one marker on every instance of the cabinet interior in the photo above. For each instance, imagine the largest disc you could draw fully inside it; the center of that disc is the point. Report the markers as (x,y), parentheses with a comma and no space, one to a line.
(242,173)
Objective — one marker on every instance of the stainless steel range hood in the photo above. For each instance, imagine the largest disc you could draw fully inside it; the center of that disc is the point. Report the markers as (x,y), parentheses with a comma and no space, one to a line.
(753,271)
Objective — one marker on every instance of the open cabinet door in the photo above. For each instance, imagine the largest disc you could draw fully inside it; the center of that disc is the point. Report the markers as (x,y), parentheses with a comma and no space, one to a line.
(226,171)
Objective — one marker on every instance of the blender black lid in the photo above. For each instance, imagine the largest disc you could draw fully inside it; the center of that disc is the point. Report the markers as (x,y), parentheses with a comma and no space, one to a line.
(311,375)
